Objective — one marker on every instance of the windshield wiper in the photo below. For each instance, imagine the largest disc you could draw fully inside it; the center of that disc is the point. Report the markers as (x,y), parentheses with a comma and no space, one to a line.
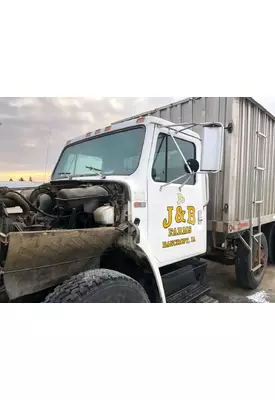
(93,169)
(67,174)
(97,171)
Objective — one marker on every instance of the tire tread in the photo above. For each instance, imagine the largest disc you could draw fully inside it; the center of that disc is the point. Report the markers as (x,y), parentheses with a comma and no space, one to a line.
(78,286)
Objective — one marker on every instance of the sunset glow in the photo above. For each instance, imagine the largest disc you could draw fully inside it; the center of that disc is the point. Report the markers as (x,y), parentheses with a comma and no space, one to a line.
(38,176)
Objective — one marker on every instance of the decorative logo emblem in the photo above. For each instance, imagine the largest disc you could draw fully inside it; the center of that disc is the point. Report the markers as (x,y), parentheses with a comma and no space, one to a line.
(181,199)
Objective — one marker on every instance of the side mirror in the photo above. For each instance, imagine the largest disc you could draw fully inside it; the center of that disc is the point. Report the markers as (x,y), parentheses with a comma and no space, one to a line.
(193,165)
(212,147)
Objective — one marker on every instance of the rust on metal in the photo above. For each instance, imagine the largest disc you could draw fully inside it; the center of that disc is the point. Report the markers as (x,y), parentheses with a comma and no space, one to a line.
(39,260)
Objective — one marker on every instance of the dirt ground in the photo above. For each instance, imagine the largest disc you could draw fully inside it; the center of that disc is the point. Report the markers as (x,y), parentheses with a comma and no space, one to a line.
(226,290)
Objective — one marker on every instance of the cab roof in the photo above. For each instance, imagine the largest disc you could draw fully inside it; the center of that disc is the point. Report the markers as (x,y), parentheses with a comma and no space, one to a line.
(127,124)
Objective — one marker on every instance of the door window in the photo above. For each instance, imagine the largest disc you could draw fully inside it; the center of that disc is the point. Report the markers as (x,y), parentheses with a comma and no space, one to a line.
(168,163)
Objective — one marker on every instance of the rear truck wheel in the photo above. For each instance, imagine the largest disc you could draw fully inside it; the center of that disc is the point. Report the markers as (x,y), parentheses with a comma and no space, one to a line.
(99,286)
(245,277)
(269,231)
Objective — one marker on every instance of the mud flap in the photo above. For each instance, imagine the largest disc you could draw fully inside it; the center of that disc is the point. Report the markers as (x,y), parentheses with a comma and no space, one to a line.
(39,260)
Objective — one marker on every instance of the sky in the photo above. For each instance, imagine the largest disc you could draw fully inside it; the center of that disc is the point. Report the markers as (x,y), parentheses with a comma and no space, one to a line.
(27,124)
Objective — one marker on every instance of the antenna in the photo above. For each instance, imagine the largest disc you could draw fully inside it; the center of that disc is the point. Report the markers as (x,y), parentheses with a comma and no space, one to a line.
(47,154)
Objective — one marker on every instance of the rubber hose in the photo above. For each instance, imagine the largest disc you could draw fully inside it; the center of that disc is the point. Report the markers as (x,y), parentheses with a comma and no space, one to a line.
(8,202)
(20,201)
(45,202)
(32,207)
(38,192)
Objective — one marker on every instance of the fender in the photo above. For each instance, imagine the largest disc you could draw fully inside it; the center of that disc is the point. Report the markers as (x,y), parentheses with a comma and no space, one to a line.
(39,260)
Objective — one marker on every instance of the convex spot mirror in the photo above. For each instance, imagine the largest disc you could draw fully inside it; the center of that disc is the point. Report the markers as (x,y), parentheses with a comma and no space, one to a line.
(193,165)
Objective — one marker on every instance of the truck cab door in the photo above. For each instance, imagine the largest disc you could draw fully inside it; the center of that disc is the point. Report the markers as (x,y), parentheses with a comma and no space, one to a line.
(176,215)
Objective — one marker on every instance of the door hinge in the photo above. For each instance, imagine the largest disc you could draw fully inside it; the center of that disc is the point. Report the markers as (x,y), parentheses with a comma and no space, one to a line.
(200,216)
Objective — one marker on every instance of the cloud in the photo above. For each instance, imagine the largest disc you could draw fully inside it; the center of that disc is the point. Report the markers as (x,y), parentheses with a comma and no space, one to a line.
(116,105)
(30,124)
(31,145)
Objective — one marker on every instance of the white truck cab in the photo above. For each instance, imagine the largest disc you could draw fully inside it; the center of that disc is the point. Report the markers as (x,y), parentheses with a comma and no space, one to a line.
(168,195)
(144,178)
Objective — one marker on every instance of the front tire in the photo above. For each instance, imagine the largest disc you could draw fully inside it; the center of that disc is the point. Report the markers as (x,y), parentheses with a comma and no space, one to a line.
(99,286)
(245,277)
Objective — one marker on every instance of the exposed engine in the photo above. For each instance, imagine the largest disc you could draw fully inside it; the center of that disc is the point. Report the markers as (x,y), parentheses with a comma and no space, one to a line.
(71,205)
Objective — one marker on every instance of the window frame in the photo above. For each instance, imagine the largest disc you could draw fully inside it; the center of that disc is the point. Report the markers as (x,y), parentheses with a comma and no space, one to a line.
(129,128)
(167,136)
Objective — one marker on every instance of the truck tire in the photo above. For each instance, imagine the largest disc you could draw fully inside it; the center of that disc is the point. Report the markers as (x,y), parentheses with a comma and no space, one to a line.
(269,231)
(245,277)
(99,286)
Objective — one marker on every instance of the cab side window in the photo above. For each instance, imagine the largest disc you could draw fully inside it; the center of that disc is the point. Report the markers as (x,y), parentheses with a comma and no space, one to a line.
(168,163)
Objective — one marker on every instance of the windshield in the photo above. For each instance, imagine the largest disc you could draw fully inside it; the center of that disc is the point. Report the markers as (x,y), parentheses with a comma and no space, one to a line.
(113,154)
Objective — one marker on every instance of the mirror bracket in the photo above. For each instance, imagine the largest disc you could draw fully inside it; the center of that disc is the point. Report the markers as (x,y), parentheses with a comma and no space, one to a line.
(185,127)
(229,128)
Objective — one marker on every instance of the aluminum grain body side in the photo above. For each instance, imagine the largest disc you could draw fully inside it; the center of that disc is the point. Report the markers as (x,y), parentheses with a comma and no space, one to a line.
(231,191)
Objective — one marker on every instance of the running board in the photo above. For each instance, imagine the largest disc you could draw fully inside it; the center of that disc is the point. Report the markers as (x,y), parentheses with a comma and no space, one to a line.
(187,283)
(191,294)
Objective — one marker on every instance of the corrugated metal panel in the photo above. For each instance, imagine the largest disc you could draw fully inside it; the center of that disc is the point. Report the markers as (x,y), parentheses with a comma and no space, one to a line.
(233,187)
(253,118)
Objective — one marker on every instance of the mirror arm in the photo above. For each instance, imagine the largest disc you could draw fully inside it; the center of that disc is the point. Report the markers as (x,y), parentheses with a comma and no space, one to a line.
(190,125)
(179,150)
(190,174)
(180,177)
(188,179)
(173,181)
